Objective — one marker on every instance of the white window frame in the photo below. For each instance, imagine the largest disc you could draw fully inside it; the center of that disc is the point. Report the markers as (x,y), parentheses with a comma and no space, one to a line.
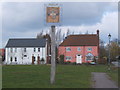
(66,58)
(88,49)
(11,50)
(15,49)
(91,57)
(78,49)
(38,49)
(15,59)
(25,49)
(67,49)
(34,49)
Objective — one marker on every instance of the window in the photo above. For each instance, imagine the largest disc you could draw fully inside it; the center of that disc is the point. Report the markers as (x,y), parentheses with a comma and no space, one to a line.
(38,49)
(78,49)
(25,55)
(89,49)
(24,49)
(34,49)
(68,57)
(89,56)
(15,59)
(15,49)
(11,50)
(68,49)
(34,58)
(11,59)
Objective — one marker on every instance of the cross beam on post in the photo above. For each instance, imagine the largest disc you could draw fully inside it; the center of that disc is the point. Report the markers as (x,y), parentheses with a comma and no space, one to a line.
(53,66)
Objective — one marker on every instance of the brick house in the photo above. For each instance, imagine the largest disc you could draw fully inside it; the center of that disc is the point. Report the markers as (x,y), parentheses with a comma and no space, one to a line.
(80,48)
(2,54)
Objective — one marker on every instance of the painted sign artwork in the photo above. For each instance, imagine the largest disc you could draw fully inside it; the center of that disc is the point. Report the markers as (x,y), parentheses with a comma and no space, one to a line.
(52,14)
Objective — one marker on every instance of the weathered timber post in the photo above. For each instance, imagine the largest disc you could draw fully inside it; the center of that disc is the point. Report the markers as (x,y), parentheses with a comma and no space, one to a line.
(53,18)
(53,66)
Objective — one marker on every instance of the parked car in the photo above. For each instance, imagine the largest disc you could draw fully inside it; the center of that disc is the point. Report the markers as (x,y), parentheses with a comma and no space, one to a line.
(118,57)
(92,63)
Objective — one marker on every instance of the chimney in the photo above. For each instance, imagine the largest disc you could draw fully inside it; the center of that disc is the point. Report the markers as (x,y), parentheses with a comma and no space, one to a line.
(98,32)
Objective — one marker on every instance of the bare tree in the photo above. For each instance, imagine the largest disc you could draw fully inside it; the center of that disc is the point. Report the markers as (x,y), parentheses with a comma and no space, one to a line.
(63,36)
(80,32)
(72,32)
(103,52)
(40,35)
(86,32)
(68,32)
(58,37)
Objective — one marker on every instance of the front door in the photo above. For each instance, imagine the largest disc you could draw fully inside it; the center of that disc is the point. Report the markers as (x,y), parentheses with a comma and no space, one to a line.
(79,59)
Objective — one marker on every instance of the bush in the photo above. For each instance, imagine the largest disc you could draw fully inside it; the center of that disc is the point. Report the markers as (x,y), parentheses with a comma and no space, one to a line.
(61,61)
(86,63)
(68,63)
(102,61)
(73,63)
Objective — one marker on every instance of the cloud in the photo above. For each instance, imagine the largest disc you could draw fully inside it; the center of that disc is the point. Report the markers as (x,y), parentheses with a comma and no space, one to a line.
(85,13)
(22,16)
(108,24)
(26,19)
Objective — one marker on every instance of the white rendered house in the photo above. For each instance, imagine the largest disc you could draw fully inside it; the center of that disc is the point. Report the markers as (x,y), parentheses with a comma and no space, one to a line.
(26,51)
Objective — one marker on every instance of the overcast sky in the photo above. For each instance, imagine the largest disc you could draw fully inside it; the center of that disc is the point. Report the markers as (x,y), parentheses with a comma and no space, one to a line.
(25,20)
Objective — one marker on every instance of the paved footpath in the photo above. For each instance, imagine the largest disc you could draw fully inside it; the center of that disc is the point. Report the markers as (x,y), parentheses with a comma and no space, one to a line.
(102,80)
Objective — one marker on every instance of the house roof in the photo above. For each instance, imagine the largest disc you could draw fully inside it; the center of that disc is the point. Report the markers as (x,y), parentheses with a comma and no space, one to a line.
(26,42)
(81,40)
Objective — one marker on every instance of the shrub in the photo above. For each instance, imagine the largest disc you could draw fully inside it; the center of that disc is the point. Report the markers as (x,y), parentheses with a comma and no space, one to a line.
(73,63)
(102,60)
(86,63)
(61,61)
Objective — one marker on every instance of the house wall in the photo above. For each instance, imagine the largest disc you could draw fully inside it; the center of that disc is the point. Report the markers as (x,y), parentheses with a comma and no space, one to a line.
(74,52)
(2,51)
(20,55)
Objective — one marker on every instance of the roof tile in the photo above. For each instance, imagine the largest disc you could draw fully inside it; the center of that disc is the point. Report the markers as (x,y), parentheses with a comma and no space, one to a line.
(81,40)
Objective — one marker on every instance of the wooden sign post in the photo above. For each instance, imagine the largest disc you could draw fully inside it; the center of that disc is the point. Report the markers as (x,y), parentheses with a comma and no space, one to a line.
(53,61)
(52,16)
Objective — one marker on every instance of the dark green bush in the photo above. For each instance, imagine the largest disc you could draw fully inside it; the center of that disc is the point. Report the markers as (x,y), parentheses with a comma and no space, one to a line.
(61,61)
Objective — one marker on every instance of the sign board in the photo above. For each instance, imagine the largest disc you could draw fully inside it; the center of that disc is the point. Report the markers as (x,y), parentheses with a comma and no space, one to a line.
(53,14)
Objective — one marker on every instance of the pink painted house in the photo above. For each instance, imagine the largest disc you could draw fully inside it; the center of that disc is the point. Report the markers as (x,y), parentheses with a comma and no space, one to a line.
(80,48)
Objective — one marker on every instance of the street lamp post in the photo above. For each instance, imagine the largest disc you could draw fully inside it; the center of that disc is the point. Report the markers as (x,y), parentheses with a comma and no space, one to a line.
(109,36)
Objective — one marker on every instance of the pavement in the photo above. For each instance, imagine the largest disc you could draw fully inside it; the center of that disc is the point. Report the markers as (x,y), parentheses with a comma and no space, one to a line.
(102,80)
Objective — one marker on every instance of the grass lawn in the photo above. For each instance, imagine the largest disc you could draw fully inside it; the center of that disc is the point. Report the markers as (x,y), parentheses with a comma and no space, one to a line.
(38,76)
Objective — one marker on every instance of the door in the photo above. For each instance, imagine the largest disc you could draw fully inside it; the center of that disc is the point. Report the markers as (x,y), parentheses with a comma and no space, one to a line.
(79,59)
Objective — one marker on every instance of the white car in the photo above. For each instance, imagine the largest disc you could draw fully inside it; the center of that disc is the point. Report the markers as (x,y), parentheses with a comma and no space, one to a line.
(92,63)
